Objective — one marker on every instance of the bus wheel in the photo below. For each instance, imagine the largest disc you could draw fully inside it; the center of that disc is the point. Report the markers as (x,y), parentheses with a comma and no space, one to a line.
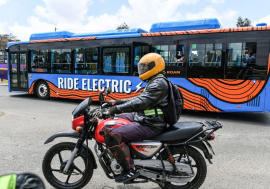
(43,90)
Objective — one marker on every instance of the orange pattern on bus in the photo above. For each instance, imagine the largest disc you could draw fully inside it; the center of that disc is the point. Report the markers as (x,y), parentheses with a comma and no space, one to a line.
(193,101)
(63,40)
(241,29)
(80,94)
(31,90)
(233,92)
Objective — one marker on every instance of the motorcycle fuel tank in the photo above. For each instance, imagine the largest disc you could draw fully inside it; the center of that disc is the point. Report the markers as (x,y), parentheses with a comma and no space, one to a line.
(144,149)
(111,123)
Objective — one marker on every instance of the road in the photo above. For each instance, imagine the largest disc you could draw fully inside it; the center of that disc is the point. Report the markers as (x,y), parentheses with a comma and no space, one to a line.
(242,147)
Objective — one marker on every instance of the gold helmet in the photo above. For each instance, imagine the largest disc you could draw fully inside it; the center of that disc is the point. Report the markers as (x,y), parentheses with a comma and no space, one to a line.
(150,65)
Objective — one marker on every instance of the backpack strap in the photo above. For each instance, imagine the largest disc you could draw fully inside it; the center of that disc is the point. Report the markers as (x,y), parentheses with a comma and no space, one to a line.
(155,110)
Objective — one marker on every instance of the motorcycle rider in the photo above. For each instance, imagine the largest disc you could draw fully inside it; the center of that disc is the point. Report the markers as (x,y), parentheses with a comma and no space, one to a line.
(147,119)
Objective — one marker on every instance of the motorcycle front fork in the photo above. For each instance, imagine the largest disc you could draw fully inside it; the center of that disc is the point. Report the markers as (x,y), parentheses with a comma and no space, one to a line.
(74,152)
(71,158)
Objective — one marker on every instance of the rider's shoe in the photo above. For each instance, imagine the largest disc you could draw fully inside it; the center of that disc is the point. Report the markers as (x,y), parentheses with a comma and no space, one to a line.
(127,176)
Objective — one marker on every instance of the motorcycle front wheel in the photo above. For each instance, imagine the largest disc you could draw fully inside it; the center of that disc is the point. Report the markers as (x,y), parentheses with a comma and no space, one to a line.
(197,162)
(79,173)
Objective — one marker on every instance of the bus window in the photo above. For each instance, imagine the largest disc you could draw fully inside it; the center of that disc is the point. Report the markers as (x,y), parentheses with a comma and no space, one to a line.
(139,52)
(205,55)
(61,61)
(213,54)
(242,56)
(86,61)
(173,55)
(116,60)
(39,61)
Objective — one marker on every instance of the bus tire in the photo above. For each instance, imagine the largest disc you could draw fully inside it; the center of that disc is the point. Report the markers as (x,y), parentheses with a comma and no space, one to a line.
(43,90)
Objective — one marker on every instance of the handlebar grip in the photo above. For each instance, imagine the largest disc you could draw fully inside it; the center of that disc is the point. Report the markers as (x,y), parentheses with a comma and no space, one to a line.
(105,105)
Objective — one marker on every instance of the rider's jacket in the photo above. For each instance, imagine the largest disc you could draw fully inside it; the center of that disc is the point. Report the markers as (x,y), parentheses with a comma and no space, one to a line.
(147,106)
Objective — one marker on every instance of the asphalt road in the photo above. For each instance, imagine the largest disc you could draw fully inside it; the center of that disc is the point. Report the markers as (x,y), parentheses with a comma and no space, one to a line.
(242,147)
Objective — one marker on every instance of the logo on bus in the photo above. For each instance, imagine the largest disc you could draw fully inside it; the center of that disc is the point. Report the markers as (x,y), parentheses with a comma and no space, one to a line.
(173,72)
(119,86)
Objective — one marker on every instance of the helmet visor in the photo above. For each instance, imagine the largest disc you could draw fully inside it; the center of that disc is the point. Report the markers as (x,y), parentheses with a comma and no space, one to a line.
(144,67)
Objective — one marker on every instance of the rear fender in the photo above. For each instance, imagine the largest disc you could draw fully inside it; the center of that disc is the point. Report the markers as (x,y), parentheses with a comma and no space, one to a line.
(204,149)
(64,133)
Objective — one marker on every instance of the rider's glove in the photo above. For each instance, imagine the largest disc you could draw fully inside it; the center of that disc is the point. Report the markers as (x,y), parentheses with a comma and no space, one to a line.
(113,102)
(114,110)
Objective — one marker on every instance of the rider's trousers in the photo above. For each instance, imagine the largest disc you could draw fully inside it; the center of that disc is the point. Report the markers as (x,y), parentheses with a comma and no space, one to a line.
(133,131)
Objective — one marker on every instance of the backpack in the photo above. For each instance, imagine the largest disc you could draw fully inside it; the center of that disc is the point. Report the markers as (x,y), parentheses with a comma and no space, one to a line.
(175,105)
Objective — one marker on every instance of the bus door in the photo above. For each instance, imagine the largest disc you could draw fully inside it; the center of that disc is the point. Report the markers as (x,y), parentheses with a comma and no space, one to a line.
(18,71)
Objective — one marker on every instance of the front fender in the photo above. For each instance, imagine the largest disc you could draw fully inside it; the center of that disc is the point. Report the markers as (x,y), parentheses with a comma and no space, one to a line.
(64,133)
(72,134)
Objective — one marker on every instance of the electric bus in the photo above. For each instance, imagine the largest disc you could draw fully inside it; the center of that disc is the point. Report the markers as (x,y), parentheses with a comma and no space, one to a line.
(217,69)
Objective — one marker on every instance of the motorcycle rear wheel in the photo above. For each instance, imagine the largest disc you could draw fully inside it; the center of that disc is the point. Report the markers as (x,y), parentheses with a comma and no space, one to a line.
(55,160)
(198,163)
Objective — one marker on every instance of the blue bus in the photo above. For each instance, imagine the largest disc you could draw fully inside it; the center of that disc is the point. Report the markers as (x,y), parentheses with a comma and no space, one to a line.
(217,69)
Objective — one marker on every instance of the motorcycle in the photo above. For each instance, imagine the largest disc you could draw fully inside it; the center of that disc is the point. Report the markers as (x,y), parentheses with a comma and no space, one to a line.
(172,159)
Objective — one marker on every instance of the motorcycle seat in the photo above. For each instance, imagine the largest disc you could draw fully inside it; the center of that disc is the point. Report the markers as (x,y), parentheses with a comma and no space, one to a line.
(179,131)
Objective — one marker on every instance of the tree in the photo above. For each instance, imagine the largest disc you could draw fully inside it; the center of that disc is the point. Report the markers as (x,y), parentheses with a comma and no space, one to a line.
(122,26)
(5,38)
(243,23)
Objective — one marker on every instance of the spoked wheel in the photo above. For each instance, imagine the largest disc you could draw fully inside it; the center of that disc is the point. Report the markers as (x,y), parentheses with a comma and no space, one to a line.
(79,173)
(197,162)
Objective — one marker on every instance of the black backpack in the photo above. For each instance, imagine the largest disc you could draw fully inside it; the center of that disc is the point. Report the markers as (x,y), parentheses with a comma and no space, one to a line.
(175,105)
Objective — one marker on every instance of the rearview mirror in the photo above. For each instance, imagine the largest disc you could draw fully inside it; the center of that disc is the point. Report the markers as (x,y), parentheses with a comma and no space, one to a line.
(22,181)
(100,97)
(109,90)
(89,101)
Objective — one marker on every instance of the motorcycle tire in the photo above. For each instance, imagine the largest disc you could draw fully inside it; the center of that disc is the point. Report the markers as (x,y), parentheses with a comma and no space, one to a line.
(57,151)
(200,164)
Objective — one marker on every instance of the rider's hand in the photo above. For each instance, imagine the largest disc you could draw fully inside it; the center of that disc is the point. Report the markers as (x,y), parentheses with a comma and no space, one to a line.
(114,110)
(111,103)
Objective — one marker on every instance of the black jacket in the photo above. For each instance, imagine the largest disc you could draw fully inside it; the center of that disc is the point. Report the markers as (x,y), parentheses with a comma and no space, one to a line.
(155,95)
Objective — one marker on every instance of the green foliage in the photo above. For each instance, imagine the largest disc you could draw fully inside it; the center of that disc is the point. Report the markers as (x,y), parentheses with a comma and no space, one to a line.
(5,38)
(122,26)
(243,23)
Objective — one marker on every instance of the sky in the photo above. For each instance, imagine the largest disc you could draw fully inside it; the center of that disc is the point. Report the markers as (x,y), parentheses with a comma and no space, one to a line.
(23,18)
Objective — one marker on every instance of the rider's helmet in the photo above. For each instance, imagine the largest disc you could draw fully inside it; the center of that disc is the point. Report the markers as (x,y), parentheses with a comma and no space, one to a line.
(150,65)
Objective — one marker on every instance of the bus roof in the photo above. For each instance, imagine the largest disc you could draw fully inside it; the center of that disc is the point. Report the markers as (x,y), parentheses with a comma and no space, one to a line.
(111,32)
(16,43)
(209,25)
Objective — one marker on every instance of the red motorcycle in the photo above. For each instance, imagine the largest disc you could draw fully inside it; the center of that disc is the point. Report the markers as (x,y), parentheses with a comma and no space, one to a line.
(171,160)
